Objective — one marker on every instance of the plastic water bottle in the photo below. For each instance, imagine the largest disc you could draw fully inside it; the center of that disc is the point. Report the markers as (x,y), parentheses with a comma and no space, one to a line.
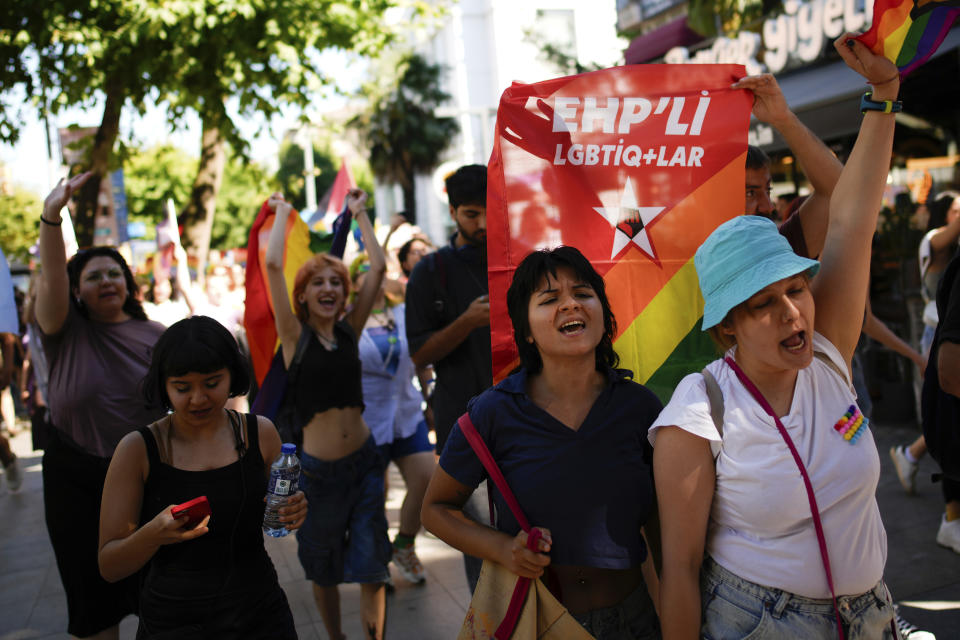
(284,478)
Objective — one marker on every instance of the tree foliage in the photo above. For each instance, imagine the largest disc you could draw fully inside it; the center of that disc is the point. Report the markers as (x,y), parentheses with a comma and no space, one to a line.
(727,17)
(190,55)
(19,217)
(291,176)
(402,132)
(152,175)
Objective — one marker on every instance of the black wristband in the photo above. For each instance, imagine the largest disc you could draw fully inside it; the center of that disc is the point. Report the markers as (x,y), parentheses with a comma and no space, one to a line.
(52,224)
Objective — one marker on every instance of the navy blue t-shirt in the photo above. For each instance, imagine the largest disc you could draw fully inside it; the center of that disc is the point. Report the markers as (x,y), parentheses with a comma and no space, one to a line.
(592,488)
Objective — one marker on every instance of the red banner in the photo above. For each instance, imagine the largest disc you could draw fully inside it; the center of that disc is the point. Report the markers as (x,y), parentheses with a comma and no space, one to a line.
(634,166)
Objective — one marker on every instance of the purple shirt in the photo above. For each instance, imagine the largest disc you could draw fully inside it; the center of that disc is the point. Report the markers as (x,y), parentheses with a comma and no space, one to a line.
(95,374)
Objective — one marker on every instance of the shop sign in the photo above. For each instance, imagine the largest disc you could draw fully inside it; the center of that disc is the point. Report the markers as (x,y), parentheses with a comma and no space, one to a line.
(793,38)
(740,50)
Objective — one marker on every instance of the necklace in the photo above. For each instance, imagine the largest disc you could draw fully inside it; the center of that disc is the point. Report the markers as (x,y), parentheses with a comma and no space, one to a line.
(384,318)
(330,344)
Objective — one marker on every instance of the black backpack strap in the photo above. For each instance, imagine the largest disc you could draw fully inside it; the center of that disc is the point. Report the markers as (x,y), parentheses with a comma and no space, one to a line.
(302,343)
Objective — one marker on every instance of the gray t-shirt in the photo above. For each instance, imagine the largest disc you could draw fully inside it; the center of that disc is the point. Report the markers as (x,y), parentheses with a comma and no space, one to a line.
(95,374)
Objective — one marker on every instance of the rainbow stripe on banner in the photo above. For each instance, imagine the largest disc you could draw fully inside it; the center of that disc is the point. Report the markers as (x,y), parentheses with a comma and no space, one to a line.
(908,32)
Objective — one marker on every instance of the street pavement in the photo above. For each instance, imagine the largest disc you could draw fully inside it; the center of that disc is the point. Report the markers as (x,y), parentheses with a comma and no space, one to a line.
(923,577)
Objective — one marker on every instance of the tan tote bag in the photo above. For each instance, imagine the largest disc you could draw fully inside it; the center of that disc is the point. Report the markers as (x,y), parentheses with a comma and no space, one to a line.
(505,606)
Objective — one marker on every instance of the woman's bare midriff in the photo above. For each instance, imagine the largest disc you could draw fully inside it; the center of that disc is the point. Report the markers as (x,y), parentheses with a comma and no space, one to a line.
(335,433)
(587,588)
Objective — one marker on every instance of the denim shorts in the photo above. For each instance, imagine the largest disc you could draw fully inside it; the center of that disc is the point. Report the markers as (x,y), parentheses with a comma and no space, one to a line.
(403,447)
(633,619)
(736,608)
(344,538)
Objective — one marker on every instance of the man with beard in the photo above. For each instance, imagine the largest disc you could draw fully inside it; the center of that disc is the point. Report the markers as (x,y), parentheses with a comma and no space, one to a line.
(448,314)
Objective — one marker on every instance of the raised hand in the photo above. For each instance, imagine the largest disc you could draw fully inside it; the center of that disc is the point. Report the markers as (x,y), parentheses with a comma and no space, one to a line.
(878,70)
(61,194)
(357,201)
(769,105)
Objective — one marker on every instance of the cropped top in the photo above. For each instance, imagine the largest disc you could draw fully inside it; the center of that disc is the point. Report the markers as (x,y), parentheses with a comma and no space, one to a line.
(329,379)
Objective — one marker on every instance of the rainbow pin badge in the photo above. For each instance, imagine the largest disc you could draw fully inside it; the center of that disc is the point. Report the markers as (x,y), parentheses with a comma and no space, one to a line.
(852,425)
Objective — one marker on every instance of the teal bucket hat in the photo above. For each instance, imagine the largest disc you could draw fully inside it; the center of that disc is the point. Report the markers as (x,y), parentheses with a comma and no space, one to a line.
(741,257)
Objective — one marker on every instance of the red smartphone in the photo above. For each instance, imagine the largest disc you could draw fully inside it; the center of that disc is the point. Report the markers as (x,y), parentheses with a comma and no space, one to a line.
(194,510)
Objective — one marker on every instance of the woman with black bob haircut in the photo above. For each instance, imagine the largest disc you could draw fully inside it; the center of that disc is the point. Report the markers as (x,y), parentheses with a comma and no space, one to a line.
(568,431)
(199,344)
(210,578)
(97,342)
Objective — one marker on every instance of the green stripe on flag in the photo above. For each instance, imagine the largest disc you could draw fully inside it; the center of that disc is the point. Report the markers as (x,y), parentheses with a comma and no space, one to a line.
(693,353)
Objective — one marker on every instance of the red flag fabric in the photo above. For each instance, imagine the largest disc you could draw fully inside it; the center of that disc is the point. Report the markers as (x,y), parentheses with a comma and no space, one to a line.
(258,312)
(634,166)
(332,203)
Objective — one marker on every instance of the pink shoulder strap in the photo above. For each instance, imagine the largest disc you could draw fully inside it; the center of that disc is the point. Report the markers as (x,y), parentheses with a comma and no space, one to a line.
(811,498)
(505,630)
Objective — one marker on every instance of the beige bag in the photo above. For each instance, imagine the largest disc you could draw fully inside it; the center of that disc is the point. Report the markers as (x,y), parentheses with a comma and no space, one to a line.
(499,609)
(542,616)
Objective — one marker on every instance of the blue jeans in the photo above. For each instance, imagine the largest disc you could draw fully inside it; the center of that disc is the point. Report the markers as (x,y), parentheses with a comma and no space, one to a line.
(344,538)
(736,608)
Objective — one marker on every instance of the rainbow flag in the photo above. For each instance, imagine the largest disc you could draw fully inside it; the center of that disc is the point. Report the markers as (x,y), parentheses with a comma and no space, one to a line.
(907,32)
(634,166)
(258,312)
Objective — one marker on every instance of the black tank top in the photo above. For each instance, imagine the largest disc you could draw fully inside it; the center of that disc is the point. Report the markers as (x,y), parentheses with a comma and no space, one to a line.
(224,580)
(329,379)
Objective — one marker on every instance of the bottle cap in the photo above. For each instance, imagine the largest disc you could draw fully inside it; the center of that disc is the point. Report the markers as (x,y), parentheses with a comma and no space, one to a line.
(288,448)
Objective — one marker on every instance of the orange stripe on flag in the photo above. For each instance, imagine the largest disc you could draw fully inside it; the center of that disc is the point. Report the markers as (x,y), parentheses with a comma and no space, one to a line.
(634,281)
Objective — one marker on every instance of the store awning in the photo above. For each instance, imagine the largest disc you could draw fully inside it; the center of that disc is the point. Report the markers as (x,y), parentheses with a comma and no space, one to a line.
(654,44)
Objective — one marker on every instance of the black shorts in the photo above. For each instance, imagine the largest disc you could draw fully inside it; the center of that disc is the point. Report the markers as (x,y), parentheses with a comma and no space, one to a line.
(72,487)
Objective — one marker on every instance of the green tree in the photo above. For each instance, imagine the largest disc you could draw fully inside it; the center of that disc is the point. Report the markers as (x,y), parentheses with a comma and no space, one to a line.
(191,55)
(291,176)
(245,186)
(153,175)
(728,17)
(403,135)
(19,210)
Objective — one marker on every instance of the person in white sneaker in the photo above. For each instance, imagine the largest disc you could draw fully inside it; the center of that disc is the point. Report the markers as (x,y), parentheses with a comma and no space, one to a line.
(906,461)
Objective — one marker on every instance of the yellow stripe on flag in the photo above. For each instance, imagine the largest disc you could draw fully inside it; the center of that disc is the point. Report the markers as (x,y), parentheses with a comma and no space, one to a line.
(652,336)
(894,42)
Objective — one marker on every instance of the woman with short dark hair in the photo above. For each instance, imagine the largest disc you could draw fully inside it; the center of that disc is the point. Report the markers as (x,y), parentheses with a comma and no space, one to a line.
(568,430)
(209,578)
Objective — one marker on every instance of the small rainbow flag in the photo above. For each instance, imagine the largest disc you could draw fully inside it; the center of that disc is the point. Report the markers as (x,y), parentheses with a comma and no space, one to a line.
(907,32)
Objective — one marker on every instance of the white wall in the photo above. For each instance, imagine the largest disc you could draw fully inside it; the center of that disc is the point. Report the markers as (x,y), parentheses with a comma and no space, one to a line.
(484,49)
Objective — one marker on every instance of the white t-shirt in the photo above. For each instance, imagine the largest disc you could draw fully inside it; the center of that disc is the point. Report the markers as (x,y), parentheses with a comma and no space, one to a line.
(760,525)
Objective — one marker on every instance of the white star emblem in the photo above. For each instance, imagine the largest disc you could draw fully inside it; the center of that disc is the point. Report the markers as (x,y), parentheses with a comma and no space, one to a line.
(630,222)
